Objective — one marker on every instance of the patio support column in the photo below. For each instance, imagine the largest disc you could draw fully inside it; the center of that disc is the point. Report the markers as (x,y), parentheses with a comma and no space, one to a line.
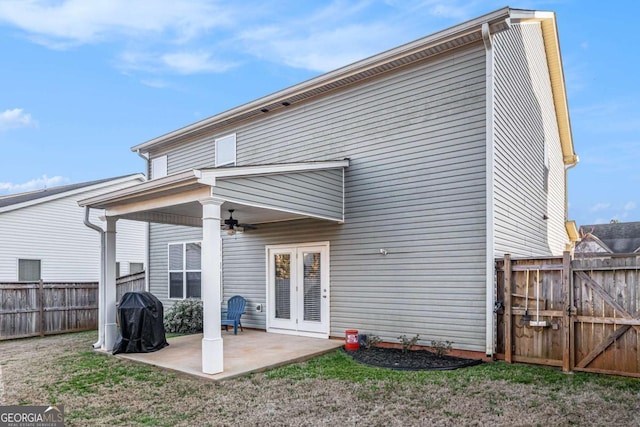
(110,327)
(212,362)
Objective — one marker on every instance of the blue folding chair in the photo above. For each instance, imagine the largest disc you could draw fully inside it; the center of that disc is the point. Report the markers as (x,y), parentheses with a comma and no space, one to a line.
(235,309)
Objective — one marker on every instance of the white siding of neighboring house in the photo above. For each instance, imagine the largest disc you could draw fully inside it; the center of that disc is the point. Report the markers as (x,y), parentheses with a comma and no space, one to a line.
(415,187)
(54,232)
(524,120)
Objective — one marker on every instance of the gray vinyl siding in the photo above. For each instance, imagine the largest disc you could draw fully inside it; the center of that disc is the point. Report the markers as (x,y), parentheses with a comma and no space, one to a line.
(316,193)
(415,187)
(524,121)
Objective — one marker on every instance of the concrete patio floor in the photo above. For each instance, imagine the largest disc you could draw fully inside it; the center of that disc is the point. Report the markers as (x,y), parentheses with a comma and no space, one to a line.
(249,351)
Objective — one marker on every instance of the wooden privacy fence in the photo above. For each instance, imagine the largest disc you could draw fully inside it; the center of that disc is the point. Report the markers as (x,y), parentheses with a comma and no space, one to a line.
(580,314)
(39,309)
(131,283)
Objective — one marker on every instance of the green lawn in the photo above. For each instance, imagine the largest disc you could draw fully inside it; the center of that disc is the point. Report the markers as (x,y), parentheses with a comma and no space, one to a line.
(99,389)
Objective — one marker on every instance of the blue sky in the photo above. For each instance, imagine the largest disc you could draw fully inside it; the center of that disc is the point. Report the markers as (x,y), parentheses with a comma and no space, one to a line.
(83,81)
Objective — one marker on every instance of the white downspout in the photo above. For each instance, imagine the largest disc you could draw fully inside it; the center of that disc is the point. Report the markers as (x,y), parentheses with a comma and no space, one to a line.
(147,258)
(490,181)
(98,343)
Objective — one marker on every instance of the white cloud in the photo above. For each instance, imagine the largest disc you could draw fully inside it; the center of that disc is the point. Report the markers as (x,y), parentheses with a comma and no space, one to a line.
(155,83)
(600,207)
(75,22)
(35,184)
(630,206)
(16,118)
(184,62)
(194,62)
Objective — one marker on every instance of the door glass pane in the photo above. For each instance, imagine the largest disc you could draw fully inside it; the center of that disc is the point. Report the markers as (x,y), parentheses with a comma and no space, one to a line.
(283,285)
(175,285)
(193,285)
(193,256)
(311,286)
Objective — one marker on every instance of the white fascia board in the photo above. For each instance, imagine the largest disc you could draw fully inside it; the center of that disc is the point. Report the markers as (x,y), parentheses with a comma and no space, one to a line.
(209,176)
(137,177)
(144,187)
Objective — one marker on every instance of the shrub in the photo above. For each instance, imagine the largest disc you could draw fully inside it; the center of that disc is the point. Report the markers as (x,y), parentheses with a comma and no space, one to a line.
(371,341)
(184,317)
(441,348)
(408,343)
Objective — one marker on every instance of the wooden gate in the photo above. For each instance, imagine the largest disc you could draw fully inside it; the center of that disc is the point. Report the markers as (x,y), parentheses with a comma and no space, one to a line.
(607,321)
(581,315)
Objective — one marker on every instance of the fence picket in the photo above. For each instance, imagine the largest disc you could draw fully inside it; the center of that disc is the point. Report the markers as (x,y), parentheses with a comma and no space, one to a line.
(41,308)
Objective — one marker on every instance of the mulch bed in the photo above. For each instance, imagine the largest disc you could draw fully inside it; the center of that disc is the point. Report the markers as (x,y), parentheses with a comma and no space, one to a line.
(413,360)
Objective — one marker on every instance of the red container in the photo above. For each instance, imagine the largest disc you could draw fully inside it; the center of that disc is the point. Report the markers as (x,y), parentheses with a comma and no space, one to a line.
(351,340)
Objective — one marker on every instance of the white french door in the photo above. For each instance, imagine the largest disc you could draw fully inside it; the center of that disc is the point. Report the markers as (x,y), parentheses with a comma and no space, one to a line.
(298,289)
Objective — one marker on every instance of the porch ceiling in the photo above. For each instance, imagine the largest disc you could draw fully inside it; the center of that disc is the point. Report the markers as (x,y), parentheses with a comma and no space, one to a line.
(258,194)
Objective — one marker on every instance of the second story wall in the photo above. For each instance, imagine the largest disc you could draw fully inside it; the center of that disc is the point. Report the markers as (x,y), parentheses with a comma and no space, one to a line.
(529,171)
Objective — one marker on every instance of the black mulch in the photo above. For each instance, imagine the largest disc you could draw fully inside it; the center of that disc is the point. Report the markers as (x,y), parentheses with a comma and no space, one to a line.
(413,360)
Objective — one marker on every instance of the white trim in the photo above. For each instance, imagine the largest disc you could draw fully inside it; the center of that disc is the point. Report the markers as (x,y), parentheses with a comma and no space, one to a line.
(184,269)
(173,180)
(326,247)
(137,177)
(490,202)
(208,176)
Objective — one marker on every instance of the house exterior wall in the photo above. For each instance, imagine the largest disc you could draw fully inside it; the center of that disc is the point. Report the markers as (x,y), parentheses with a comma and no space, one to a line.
(524,122)
(415,187)
(54,232)
(317,192)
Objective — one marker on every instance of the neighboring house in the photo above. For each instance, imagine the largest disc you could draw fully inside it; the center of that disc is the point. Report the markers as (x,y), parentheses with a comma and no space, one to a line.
(381,192)
(42,235)
(615,238)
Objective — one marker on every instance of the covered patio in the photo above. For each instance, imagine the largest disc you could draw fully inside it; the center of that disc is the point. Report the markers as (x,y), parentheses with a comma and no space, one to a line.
(201,198)
(248,352)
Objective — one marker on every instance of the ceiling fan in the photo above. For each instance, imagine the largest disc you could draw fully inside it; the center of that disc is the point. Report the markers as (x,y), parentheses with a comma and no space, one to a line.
(233,226)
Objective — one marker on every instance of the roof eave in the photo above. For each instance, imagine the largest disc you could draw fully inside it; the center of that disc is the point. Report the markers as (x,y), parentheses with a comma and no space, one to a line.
(556,74)
(364,69)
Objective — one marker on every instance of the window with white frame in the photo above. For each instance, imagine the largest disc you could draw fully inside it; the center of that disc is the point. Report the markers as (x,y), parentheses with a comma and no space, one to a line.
(226,150)
(158,167)
(184,270)
(29,270)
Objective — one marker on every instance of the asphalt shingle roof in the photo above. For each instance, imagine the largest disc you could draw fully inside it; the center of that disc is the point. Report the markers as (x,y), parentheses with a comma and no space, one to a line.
(38,194)
(622,237)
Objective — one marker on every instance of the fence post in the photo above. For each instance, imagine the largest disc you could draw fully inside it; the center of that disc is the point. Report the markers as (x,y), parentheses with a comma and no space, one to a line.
(508,353)
(567,322)
(40,299)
